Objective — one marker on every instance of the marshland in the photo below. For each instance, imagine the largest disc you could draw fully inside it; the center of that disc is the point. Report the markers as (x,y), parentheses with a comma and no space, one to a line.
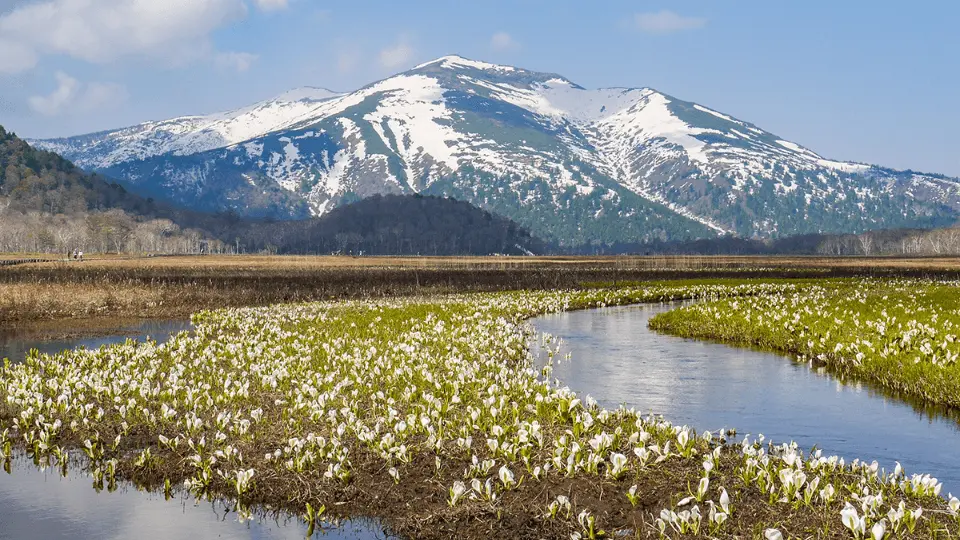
(423,393)
(277,269)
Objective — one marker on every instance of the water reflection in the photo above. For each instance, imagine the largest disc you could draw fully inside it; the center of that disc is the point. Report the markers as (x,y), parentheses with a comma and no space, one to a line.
(15,344)
(617,359)
(35,504)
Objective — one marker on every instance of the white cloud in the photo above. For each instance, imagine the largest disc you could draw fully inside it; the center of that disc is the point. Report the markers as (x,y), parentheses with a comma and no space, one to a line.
(502,41)
(101,31)
(237,61)
(397,55)
(73,96)
(15,57)
(666,22)
(272,5)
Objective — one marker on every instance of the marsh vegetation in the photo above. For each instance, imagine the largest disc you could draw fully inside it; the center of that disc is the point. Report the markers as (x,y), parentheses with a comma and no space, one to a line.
(901,335)
(428,413)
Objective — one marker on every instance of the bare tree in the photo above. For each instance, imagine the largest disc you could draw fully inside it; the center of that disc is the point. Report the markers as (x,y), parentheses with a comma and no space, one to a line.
(866,243)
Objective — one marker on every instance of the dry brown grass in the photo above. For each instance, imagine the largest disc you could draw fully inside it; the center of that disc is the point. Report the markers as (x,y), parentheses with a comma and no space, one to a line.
(21,302)
(162,287)
(293,262)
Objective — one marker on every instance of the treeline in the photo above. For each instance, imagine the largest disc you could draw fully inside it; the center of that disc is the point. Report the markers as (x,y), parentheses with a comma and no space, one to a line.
(94,231)
(886,242)
(907,242)
(47,205)
(379,225)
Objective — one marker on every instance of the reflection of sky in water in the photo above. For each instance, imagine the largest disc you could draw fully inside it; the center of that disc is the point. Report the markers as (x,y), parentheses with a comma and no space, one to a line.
(36,504)
(616,359)
(15,346)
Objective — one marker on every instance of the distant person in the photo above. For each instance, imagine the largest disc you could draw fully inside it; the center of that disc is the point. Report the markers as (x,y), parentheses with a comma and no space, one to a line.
(80,255)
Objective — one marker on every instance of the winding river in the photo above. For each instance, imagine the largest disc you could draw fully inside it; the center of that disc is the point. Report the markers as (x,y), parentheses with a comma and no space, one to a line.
(617,359)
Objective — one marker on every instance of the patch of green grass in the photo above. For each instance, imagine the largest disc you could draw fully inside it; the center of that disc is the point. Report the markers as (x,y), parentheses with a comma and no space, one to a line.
(901,335)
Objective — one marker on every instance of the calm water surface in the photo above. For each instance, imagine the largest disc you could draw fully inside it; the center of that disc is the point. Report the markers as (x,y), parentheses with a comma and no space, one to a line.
(15,344)
(42,505)
(617,359)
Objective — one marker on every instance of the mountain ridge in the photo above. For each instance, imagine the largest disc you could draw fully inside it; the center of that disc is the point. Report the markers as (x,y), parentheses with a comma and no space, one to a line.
(574,165)
(47,204)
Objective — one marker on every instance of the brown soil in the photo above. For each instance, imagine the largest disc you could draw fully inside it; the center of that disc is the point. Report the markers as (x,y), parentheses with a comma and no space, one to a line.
(417,506)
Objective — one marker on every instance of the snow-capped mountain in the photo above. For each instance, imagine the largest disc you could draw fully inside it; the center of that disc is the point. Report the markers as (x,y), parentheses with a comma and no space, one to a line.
(189,134)
(572,164)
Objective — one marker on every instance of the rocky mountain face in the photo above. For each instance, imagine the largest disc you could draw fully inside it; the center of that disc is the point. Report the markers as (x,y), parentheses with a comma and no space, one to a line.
(573,165)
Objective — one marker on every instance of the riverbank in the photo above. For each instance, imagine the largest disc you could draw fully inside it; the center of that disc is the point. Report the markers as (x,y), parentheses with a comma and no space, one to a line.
(900,335)
(426,414)
(177,286)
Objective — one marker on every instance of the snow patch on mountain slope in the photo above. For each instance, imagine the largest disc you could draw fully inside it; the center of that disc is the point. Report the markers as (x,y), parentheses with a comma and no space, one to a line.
(243,125)
(333,182)
(794,147)
(648,122)
(286,164)
(656,197)
(192,134)
(843,166)
(308,93)
(521,97)
(413,111)
(586,106)
(254,149)
(454,62)
(717,114)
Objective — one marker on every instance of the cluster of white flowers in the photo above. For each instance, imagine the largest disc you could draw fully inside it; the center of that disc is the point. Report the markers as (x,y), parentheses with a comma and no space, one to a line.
(302,390)
(870,326)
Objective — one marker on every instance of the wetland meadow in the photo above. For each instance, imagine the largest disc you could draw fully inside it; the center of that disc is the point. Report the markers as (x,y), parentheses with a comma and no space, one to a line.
(426,396)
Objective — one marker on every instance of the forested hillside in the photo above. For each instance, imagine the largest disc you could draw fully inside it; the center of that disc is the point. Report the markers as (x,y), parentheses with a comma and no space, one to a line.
(49,205)
(397,225)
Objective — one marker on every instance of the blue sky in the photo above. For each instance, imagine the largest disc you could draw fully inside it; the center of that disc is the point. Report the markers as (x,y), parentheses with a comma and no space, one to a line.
(873,81)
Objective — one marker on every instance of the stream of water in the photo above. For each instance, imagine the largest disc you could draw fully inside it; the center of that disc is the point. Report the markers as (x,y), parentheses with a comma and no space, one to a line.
(42,505)
(617,359)
(16,344)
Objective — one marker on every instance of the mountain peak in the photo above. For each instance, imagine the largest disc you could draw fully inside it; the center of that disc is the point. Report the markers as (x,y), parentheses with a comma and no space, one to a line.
(578,165)
(454,61)
(456,67)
